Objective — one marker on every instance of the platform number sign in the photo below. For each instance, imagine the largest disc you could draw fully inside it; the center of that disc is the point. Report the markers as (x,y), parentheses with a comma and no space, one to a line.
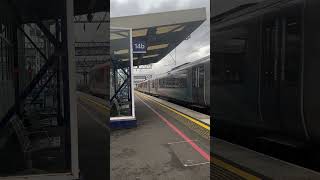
(139,46)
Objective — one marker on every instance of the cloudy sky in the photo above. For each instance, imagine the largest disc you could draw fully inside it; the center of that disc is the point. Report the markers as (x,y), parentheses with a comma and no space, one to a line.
(189,50)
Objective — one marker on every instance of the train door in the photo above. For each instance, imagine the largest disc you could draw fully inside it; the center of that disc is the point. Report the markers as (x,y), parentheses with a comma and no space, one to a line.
(290,73)
(156,81)
(280,72)
(269,88)
(198,84)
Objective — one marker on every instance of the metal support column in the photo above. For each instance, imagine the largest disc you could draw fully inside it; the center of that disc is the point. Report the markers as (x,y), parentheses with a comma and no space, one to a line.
(16,70)
(59,115)
(69,80)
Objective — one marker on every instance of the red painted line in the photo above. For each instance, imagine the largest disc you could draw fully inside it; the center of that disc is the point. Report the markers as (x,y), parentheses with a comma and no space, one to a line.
(185,137)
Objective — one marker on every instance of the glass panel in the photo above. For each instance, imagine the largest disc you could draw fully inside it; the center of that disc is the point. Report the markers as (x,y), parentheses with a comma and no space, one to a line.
(293,46)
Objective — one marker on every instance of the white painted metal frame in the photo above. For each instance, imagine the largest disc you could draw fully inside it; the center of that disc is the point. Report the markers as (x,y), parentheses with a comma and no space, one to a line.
(133,116)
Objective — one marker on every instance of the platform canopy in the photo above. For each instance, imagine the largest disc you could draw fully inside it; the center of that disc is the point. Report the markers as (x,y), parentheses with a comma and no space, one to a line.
(161,32)
(32,10)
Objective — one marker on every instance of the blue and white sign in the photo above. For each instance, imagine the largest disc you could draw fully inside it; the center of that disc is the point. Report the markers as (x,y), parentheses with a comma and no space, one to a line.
(139,46)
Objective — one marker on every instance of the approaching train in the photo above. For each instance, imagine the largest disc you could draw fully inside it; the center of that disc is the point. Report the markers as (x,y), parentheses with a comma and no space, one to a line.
(187,83)
(266,70)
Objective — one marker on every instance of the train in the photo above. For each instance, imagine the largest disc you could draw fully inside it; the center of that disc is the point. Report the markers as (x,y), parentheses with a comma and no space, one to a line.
(265,71)
(188,83)
(105,82)
(100,85)
(99,77)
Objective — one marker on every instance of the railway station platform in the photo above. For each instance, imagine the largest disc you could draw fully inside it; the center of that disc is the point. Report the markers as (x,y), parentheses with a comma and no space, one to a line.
(194,124)
(169,142)
(93,137)
(241,163)
(164,145)
(135,149)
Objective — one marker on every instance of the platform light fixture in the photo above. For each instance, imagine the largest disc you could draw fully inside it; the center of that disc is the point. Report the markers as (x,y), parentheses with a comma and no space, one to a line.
(122,51)
(166,29)
(160,46)
(139,32)
(118,35)
(150,56)
(179,29)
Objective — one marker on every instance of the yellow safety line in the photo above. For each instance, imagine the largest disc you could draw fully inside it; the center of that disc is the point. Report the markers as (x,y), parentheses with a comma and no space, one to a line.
(234,170)
(181,114)
(100,105)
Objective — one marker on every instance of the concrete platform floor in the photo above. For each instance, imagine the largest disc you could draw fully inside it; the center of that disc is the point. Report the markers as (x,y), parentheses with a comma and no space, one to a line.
(94,159)
(154,150)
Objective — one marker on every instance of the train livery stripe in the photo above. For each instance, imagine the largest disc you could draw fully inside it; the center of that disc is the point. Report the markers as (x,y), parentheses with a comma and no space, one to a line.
(181,114)
(204,154)
(98,104)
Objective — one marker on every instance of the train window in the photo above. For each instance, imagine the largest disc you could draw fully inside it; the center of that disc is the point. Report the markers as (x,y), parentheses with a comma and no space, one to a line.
(152,83)
(194,77)
(201,76)
(175,81)
(229,52)
(293,50)
(161,83)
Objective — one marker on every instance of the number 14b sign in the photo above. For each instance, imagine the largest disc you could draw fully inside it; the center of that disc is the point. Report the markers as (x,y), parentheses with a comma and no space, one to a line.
(139,46)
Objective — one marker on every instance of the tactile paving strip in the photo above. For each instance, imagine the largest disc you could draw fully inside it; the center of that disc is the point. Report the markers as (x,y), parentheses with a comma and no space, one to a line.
(196,128)
(219,173)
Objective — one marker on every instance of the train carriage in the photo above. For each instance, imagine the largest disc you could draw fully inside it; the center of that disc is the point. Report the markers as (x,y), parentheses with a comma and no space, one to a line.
(188,83)
(265,70)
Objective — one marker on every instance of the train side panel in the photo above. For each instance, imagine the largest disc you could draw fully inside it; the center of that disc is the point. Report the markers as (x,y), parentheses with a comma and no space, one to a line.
(311,65)
(176,86)
(258,71)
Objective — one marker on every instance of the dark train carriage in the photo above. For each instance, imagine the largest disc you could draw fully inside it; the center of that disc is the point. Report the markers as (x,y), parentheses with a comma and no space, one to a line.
(266,68)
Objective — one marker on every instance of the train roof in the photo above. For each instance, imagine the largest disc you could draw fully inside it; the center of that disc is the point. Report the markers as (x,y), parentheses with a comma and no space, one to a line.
(190,64)
(249,10)
(184,66)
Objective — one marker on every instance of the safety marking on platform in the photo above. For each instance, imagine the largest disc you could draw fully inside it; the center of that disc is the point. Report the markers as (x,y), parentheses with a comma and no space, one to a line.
(205,155)
(205,133)
(197,164)
(179,113)
(94,118)
(180,142)
(234,169)
(187,155)
(99,104)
